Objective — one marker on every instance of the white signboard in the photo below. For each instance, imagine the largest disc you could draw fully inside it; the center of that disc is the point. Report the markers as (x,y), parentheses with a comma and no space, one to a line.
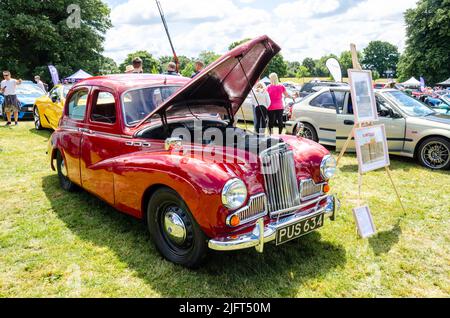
(363,96)
(371,148)
(335,69)
(364,221)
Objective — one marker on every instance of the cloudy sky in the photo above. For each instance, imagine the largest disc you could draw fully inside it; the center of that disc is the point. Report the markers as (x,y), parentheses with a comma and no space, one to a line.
(303,28)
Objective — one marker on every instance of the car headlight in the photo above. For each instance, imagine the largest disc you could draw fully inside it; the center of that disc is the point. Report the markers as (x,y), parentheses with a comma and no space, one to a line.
(328,167)
(234,194)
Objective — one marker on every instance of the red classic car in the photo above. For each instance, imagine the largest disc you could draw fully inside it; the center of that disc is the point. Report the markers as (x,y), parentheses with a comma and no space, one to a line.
(154,147)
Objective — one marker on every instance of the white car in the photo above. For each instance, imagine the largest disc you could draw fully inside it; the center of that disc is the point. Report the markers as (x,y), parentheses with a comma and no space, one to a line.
(413,129)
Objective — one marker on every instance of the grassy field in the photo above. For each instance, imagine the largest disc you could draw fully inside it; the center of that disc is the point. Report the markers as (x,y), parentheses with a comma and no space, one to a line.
(57,244)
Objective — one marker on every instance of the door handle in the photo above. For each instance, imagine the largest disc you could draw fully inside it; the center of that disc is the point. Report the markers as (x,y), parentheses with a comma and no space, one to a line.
(85,130)
(349,123)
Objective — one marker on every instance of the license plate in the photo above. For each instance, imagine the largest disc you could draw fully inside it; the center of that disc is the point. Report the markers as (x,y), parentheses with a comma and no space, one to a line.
(293,231)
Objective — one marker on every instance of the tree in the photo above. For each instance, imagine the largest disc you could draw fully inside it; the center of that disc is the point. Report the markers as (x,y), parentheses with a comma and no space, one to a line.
(309,64)
(381,57)
(237,43)
(208,57)
(428,42)
(149,63)
(108,66)
(292,69)
(37,33)
(346,61)
(302,72)
(320,67)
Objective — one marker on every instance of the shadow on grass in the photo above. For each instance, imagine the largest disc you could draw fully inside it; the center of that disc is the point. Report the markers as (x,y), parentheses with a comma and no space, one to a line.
(383,242)
(279,272)
(42,133)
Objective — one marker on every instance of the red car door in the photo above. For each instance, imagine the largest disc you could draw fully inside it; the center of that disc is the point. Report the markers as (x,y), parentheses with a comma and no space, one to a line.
(101,143)
(71,131)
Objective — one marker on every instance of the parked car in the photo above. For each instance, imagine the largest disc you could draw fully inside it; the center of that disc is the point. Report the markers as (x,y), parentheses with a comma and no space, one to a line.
(27,92)
(123,138)
(48,109)
(312,87)
(413,129)
(439,104)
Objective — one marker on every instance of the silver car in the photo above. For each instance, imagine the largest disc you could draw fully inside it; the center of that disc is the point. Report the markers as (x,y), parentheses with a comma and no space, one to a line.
(413,129)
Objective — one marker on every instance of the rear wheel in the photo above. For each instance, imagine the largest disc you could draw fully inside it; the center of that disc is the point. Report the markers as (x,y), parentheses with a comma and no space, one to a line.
(434,153)
(308,132)
(37,119)
(175,233)
(64,180)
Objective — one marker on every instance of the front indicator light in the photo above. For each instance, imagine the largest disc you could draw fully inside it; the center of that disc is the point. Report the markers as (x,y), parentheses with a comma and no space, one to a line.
(326,188)
(235,221)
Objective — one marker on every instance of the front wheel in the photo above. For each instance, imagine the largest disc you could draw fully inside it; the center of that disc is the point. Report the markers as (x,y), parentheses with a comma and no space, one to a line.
(37,119)
(434,153)
(175,233)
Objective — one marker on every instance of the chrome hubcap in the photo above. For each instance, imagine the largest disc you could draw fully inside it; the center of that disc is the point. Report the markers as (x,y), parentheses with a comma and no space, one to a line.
(63,168)
(307,133)
(436,155)
(174,227)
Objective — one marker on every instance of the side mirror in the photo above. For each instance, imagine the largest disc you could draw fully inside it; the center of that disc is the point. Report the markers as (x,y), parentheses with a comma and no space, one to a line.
(393,114)
(54,99)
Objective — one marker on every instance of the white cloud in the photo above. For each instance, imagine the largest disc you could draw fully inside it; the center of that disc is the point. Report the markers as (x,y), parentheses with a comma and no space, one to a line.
(302,28)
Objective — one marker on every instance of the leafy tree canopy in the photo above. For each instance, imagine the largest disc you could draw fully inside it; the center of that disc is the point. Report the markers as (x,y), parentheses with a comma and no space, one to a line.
(149,63)
(427,50)
(381,57)
(36,33)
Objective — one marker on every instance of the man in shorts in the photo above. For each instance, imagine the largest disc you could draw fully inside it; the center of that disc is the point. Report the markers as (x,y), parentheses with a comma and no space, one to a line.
(11,103)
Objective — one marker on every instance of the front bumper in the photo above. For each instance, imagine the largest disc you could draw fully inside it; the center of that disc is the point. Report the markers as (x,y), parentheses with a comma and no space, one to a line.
(263,234)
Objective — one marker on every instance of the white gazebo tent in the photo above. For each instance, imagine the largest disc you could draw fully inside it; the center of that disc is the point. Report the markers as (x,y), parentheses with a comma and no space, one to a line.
(412,82)
(445,83)
(78,76)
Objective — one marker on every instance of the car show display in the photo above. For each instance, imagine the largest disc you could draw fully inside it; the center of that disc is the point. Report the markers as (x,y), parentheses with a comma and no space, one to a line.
(363,97)
(158,147)
(371,148)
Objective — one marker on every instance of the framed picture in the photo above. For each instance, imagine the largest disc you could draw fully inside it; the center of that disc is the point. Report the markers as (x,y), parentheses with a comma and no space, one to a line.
(363,97)
(364,221)
(371,148)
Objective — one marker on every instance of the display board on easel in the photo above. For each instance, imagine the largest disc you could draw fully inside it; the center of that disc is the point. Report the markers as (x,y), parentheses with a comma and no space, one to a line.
(370,140)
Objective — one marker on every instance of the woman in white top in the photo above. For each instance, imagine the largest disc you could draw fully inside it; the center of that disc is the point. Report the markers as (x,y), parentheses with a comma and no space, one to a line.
(260,102)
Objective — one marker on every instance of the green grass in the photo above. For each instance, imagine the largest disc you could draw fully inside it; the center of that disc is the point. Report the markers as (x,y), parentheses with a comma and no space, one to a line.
(58,244)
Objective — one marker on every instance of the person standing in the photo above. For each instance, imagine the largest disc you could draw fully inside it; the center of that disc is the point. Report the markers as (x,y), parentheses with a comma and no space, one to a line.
(275,111)
(172,69)
(260,102)
(12,105)
(39,83)
(199,66)
(138,67)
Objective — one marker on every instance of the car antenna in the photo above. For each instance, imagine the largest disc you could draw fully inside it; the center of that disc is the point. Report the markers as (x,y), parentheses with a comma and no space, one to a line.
(163,18)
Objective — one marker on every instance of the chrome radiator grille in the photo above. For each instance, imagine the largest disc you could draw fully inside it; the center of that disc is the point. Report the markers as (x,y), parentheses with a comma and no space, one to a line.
(256,208)
(310,190)
(278,168)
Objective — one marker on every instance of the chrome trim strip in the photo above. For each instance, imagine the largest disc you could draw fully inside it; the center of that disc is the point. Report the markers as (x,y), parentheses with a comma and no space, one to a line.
(312,196)
(249,206)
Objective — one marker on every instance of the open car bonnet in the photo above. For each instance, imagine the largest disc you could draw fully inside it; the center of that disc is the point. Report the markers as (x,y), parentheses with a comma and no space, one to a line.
(223,86)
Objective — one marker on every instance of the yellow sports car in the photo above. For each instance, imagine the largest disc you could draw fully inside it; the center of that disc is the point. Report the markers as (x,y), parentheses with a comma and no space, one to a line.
(48,109)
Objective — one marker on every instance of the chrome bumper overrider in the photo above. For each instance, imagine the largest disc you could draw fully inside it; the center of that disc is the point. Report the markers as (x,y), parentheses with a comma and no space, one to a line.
(263,234)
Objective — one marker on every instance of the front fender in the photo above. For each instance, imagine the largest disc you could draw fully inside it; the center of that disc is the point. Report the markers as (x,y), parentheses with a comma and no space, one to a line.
(199,184)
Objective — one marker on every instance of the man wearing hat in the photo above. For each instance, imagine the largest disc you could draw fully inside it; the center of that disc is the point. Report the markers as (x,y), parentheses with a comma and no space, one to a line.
(137,66)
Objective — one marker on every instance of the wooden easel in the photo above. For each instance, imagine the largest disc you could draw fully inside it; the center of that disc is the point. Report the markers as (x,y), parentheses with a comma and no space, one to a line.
(357,66)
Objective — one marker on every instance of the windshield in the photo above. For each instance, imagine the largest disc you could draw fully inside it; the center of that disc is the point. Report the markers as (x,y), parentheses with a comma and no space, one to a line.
(410,105)
(139,103)
(30,90)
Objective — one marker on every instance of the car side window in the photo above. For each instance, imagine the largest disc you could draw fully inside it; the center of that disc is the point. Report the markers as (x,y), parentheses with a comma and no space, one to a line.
(77,105)
(324,100)
(382,107)
(103,107)
(340,100)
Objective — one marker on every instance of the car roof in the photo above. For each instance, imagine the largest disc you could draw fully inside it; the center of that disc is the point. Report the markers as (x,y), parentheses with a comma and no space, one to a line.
(124,82)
